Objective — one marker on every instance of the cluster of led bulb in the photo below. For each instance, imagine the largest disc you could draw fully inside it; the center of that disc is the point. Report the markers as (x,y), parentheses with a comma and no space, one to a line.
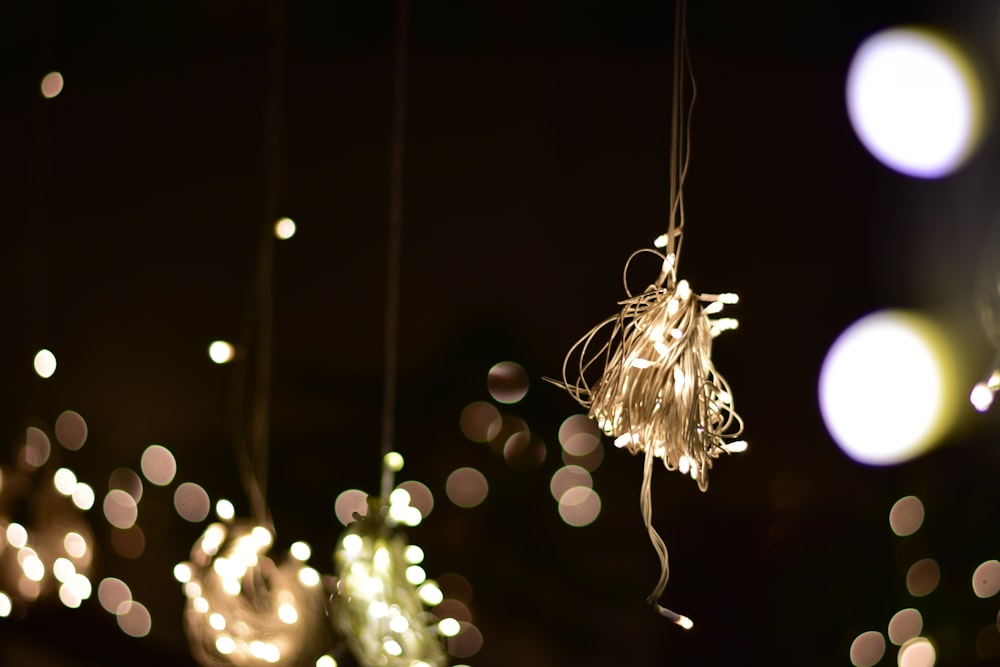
(382,590)
(51,552)
(242,608)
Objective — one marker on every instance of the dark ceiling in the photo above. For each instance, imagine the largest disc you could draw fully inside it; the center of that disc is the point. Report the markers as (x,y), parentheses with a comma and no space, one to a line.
(537,155)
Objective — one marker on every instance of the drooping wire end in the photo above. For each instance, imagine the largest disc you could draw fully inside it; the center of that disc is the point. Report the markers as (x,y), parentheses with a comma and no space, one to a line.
(679,619)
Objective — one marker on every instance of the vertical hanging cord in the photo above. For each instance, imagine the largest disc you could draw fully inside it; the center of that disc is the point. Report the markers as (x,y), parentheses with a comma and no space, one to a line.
(395,243)
(253,454)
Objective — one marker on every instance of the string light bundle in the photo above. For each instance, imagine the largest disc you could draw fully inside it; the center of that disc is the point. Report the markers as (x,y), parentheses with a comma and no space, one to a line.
(244,609)
(658,392)
(381,592)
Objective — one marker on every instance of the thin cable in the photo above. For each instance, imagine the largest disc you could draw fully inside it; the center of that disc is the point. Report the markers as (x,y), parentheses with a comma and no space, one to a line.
(395,243)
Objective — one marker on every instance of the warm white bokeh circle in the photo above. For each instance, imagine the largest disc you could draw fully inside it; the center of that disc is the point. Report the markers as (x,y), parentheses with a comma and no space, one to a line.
(914,101)
(884,388)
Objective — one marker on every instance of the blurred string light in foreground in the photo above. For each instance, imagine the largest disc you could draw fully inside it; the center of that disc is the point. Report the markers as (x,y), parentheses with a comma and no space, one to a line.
(284,229)
(915,101)
(221,352)
(245,609)
(885,388)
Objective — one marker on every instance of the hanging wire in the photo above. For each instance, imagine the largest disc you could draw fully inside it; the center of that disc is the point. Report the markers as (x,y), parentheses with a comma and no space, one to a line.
(253,432)
(395,243)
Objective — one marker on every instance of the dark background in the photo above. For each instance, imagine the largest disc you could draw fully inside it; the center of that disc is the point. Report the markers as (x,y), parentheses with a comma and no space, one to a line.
(537,156)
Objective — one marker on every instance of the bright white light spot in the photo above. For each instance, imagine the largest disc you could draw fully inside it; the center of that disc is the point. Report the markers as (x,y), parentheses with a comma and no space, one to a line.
(45,363)
(262,536)
(413,554)
(182,572)
(225,645)
(300,551)
(65,481)
(158,465)
(914,101)
(288,614)
(80,585)
(421,498)
(6,606)
(399,624)
(981,397)
(906,516)
(867,649)
(217,621)
(309,577)
(221,352)
(430,594)
(986,579)
(326,661)
(17,535)
(200,605)
(68,597)
(33,568)
(83,496)
(393,461)
(392,647)
(353,543)
(225,510)
(449,627)
(416,575)
(918,652)
(63,569)
(284,228)
(884,388)
(52,85)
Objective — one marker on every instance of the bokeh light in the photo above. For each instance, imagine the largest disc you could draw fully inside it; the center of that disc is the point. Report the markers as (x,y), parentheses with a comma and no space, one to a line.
(221,352)
(191,502)
(71,430)
(420,496)
(284,228)
(480,421)
(867,649)
(83,496)
(918,652)
(566,478)
(120,509)
(467,642)
(37,447)
(45,363)
(884,388)
(127,481)
(158,465)
(6,606)
(507,382)
(923,577)
(579,506)
(128,543)
(915,101)
(467,487)
(590,461)
(579,435)
(906,516)
(456,587)
(904,625)
(393,461)
(349,503)
(113,594)
(986,579)
(326,661)
(134,619)
(524,451)
(52,85)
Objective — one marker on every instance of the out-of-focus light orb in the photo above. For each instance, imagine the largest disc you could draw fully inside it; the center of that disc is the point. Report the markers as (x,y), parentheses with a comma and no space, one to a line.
(17,535)
(134,619)
(904,625)
(918,652)
(221,352)
(326,661)
(915,101)
(981,397)
(420,496)
(158,465)
(45,363)
(113,594)
(127,481)
(986,579)
(867,649)
(885,388)
(467,487)
(6,606)
(348,503)
(191,502)
(71,430)
(579,506)
(52,85)
(182,572)
(37,447)
(120,509)
(906,516)
(75,545)
(225,510)
(64,480)
(507,382)
(393,461)
(480,421)
(284,229)
(449,627)
(467,642)
(430,594)
(300,551)
(83,496)
(923,577)
(568,477)
(579,435)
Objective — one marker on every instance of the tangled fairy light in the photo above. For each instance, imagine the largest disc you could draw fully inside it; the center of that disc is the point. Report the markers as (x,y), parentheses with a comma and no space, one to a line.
(381,593)
(242,608)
